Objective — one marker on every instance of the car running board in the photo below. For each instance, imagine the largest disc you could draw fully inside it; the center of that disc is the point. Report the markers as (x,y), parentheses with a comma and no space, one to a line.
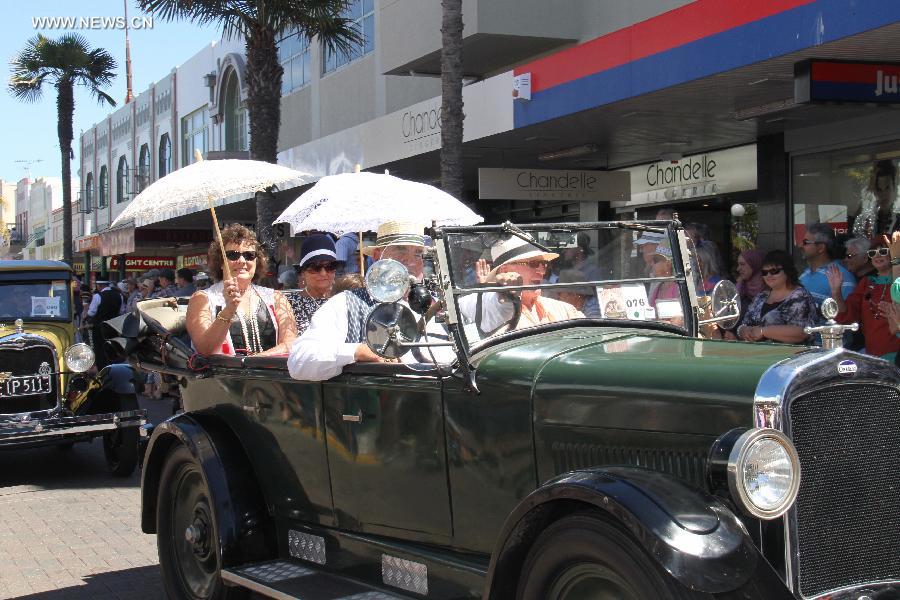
(288,580)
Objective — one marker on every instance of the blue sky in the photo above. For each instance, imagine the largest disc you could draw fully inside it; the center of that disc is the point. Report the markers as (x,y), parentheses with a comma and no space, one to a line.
(30,129)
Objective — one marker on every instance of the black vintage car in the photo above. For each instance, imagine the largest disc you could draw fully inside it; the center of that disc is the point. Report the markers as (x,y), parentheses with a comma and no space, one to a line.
(47,396)
(612,453)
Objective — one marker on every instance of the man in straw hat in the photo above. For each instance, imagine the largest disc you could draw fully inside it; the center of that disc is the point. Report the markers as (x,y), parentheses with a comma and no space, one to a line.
(337,332)
(514,261)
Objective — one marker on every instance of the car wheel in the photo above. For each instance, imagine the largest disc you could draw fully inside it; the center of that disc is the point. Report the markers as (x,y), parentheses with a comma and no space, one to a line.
(186,533)
(120,446)
(584,556)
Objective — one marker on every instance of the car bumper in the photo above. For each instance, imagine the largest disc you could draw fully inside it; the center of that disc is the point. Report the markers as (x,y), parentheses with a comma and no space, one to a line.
(59,429)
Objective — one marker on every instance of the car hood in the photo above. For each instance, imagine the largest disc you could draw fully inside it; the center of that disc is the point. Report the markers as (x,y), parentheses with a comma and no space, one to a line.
(627,378)
(60,335)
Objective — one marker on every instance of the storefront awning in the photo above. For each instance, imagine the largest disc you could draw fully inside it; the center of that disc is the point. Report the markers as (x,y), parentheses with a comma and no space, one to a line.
(117,240)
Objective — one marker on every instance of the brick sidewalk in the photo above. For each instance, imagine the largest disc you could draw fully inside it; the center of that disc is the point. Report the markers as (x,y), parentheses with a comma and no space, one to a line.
(69,530)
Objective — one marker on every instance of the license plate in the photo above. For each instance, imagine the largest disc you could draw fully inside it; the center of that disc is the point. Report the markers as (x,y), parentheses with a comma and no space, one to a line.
(26,385)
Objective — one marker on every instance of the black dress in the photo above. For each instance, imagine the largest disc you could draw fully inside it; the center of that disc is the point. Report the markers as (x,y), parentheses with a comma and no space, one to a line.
(267,332)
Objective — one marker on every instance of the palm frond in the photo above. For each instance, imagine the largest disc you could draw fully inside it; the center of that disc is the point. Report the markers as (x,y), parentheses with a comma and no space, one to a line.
(327,20)
(67,59)
(235,16)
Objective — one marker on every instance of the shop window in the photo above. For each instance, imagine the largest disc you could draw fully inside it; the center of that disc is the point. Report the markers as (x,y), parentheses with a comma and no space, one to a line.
(294,56)
(103,189)
(123,187)
(235,117)
(362,14)
(854,191)
(193,135)
(165,155)
(143,174)
(88,200)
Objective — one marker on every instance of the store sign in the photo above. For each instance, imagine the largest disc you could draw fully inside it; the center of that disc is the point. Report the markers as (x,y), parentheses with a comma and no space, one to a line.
(408,132)
(87,244)
(709,174)
(846,81)
(192,260)
(545,184)
(143,263)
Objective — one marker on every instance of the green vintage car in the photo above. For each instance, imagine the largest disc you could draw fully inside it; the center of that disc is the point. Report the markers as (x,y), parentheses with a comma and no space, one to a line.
(531,453)
(47,395)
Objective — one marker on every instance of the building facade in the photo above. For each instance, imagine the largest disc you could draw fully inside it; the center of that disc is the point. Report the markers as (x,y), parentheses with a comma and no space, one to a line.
(691,104)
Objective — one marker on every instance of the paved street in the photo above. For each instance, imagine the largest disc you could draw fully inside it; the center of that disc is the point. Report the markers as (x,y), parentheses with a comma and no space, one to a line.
(69,530)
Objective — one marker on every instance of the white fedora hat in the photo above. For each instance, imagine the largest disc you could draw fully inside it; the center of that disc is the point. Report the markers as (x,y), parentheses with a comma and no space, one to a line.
(515,249)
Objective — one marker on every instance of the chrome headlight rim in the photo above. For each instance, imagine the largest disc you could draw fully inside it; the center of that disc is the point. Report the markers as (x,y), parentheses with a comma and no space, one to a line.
(736,460)
(69,359)
(378,279)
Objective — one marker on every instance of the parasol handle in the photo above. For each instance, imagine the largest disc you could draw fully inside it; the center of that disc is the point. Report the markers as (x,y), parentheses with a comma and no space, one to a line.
(362,259)
(226,271)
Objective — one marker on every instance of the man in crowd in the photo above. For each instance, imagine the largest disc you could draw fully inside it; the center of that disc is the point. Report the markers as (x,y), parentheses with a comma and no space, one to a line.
(336,335)
(167,287)
(514,261)
(184,279)
(347,250)
(856,260)
(818,250)
(106,304)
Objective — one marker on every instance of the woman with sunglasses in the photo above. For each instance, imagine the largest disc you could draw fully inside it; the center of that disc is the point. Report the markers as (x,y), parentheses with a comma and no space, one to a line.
(865,304)
(779,313)
(236,316)
(316,269)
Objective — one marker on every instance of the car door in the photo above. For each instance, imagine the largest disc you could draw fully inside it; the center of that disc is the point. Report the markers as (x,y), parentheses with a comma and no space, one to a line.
(386,452)
(280,422)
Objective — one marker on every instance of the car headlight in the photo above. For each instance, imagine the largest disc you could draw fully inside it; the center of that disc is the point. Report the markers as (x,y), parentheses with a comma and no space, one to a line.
(79,357)
(763,471)
(387,280)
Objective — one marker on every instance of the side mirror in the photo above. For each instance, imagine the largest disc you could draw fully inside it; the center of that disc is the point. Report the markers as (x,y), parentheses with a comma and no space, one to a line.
(725,306)
(389,328)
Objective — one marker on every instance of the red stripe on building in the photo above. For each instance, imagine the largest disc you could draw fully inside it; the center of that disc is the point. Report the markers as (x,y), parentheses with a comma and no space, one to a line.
(851,72)
(688,23)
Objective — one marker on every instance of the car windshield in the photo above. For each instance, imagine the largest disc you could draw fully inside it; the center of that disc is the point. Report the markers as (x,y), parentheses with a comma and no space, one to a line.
(612,271)
(35,300)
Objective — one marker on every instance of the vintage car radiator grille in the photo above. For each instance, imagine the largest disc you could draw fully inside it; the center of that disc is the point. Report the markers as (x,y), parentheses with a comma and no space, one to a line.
(848,509)
(27,362)
(689,467)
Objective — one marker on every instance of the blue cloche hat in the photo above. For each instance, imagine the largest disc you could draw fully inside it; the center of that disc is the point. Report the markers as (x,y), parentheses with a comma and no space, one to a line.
(316,245)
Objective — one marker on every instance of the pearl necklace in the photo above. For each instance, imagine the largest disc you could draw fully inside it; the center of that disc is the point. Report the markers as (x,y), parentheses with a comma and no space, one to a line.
(252,337)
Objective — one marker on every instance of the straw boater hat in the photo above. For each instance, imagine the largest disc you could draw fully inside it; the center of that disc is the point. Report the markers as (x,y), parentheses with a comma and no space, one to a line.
(515,249)
(394,233)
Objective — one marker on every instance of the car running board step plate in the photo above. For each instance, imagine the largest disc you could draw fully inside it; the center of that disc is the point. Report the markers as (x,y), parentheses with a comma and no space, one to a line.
(288,580)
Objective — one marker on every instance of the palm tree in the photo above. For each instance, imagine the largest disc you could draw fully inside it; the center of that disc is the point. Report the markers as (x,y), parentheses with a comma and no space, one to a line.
(451,98)
(260,22)
(63,64)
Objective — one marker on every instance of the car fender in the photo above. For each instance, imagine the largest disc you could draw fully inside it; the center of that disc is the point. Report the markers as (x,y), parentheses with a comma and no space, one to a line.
(242,521)
(690,534)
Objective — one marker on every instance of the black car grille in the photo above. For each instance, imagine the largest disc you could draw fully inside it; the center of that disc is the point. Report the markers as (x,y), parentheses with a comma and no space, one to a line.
(848,509)
(27,362)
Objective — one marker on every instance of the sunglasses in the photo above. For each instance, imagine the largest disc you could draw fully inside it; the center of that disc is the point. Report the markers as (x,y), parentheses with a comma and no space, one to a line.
(533,264)
(808,242)
(232,255)
(774,271)
(330,267)
(878,252)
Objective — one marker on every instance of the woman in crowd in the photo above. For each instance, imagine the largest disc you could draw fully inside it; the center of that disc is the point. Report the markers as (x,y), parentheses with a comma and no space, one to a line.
(316,269)
(235,316)
(779,313)
(707,260)
(864,305)
(749,279)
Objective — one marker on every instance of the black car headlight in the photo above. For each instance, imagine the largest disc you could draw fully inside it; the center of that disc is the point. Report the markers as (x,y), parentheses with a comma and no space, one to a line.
(761,469)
